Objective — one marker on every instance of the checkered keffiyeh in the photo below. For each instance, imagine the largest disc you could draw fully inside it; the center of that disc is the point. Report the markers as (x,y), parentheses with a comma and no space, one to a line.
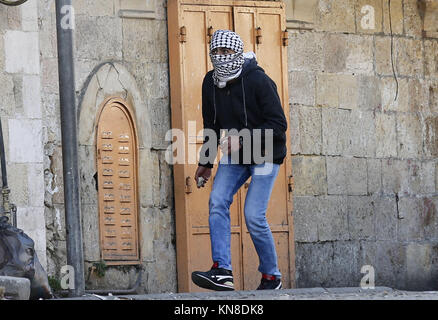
(227,66)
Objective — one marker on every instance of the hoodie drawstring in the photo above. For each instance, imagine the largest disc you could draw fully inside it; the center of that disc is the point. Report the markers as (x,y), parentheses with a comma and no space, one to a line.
(214,104)
(244,104)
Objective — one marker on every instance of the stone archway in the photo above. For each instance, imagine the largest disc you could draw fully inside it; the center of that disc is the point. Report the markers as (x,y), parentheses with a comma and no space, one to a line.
(109,80)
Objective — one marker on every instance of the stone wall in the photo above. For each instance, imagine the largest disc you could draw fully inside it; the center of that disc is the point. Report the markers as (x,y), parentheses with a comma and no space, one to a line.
(114,56)
(365,164)
(22,116)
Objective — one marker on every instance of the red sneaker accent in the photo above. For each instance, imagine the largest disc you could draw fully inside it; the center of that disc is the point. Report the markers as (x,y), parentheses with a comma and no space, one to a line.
(215,265)
(268,276)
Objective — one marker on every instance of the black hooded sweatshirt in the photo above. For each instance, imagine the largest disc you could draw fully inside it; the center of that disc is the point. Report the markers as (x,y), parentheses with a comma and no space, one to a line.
(250,101)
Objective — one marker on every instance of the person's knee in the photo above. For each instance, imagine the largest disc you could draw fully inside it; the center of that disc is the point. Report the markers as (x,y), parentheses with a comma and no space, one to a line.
(256,223)
(218,201)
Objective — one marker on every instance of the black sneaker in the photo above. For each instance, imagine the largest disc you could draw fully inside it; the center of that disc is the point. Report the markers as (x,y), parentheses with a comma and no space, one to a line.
(269,283)
(218,279)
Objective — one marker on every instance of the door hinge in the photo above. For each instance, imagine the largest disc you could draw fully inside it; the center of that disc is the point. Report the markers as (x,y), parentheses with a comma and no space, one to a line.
(210,33)
(188,186)
(285,38)
(291,183)
(182,34)
(259,35)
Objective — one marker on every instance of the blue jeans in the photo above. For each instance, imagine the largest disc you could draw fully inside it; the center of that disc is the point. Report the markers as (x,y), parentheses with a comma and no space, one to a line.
(229,178)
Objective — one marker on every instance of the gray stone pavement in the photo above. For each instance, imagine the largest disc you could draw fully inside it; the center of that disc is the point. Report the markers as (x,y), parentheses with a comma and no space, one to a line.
(353,293)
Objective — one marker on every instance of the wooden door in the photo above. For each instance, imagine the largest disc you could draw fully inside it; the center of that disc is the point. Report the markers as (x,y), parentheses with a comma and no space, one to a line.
(117,163)
(262,31)
(190,26)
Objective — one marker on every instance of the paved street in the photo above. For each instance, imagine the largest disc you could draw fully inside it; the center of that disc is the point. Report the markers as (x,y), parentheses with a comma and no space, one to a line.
(379,293)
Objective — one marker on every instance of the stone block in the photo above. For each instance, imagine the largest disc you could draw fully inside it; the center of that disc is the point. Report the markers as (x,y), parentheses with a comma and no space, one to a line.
(369,15)
(335,131)
(374,176)
(346,176)
(418,219)
(47,25)
(305,51)
(166,182)
(408,57)
(383,55)
(327,90)
(344,269)
(348,133)
(15,288)
(433,96)
(393,100)
(419,91)
(104,43)
(313,264)
(17,181)
(35,184)
(369,93)
(386,137)
(305,215)
(430,59)
(7,92)
(32,97)
(14,18)
(310,176)
(87,170)
(348,91)
(408,177)
(144,40)
(360,58)
(413,23)
(327,264)
(419,267)
(29,16)
(336,16)
(306,130)
(302,88)
(149,178)
(160,121)
(348,53)
(162,272)
(409,136)
(396,17)
(390,264)
(333,218)
(436,177)
(385,218)
(90,232)
(49,78)
(431,136)
(25,140)
(32,221)
(362,134)
(94,8)
(22,52)
(147,225)
(335,48)
(360,218)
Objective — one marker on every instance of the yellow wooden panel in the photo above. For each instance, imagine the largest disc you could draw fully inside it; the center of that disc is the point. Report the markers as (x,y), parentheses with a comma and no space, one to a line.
(117,182)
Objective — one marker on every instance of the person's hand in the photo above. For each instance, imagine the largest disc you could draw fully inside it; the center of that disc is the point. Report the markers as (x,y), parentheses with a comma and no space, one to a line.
(203,172)
(230,144)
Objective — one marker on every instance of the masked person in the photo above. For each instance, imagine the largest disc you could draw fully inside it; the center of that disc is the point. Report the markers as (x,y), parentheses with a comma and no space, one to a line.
(239,95)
